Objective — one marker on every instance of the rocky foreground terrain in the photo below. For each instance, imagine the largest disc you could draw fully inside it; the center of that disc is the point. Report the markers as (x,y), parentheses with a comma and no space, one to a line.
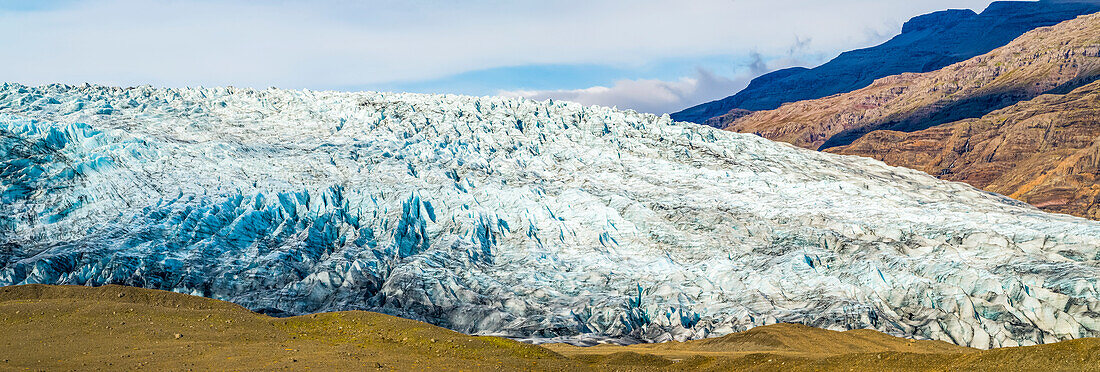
(124,328)
(926,43)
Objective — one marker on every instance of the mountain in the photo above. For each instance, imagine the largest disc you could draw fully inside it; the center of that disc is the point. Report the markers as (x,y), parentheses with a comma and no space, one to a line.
(1049,60)
(544,221)
(1044,151)
(1020,121)
(926,43)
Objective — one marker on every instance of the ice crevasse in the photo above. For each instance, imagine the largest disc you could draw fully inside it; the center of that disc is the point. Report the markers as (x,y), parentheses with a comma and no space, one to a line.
(533,220)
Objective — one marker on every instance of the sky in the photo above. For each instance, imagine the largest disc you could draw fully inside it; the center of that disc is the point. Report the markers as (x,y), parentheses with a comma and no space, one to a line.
(647,55)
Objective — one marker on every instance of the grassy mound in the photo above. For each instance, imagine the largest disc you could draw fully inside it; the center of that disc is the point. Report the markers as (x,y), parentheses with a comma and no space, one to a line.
(116,328)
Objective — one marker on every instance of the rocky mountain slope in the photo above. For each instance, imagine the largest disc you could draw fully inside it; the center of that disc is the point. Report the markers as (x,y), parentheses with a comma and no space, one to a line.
(1044,151)
(1053,59)
(543,221)
(927,43)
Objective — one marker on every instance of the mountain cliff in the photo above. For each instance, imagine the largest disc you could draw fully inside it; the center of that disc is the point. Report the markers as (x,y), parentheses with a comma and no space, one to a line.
(927,43)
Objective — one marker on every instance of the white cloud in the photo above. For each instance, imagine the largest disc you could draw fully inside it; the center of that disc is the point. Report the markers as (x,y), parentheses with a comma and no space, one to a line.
(330,43)
(660,96)
(653,96)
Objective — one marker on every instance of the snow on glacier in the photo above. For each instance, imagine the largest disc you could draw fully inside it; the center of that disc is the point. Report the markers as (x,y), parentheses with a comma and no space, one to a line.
(518,218)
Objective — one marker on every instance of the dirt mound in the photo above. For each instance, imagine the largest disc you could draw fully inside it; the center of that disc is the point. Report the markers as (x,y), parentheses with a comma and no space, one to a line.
(115,294)
(796,338)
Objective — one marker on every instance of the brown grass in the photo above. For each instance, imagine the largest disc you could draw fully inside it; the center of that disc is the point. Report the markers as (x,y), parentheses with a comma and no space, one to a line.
(122,328)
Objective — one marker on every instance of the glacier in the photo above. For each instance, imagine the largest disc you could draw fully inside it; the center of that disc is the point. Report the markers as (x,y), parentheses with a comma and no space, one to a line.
(542,221)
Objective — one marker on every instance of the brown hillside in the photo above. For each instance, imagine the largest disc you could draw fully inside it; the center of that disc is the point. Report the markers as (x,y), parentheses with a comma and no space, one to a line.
(1045,152)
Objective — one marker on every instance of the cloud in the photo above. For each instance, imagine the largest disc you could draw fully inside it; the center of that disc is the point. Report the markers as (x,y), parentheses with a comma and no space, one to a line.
(800,45)
(332,43)
(657,96)
(757,65)
(646,95)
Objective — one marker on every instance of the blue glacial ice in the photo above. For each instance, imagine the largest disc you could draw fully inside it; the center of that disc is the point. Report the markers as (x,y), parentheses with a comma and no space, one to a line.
(534,220)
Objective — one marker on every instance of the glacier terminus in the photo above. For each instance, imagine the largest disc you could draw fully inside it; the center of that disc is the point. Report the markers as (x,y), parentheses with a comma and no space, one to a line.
(533,220)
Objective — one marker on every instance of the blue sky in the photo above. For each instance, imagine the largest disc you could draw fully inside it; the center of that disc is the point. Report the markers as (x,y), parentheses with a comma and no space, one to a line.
(648,55)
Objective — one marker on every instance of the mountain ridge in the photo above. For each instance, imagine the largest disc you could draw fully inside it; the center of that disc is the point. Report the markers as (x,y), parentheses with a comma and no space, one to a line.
(927,43)
(1043,151)
(1054,60)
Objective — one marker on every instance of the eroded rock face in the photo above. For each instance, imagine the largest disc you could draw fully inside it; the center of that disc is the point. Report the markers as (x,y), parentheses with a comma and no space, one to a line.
(512,217)
(927,43)
(1044,151)
(1047,60)
(721,121)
